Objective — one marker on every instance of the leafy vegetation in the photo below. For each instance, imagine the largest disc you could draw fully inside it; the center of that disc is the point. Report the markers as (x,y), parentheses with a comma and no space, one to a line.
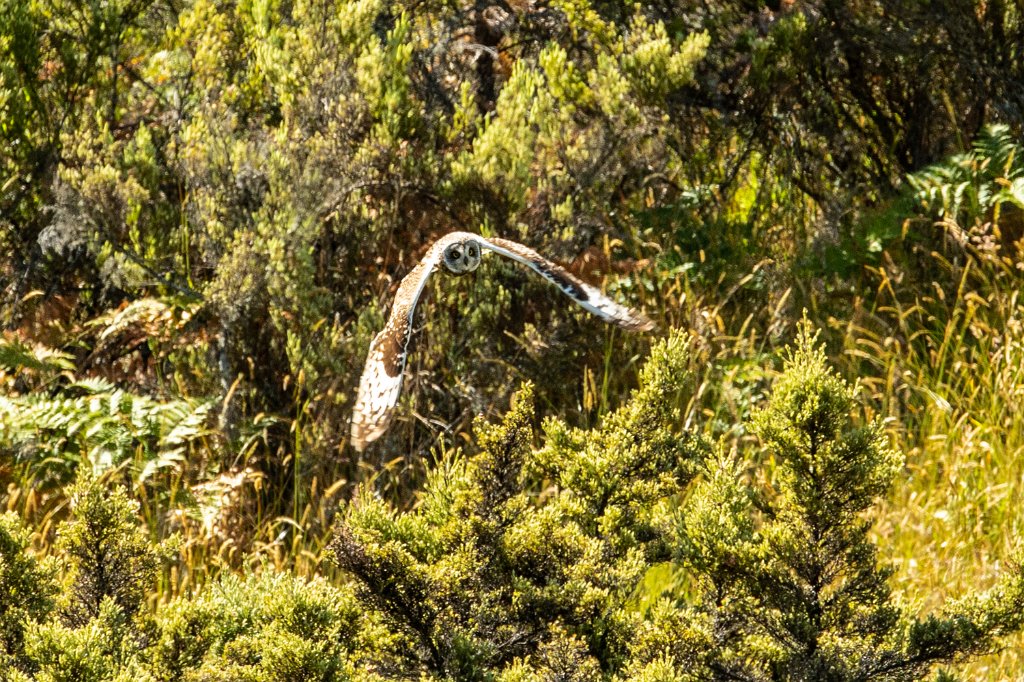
(207,205)
(525,563)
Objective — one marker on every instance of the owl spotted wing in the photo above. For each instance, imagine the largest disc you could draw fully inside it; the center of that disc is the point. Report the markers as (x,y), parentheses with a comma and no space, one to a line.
(586,295)
(381,382)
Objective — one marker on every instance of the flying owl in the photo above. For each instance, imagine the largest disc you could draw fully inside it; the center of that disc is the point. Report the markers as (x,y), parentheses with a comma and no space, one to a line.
(459,252)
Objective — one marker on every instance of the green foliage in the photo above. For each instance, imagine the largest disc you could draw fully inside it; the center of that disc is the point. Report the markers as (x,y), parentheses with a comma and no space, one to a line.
(91,421)
(28,587)
(519,562)
(99,650)
(206,206)
(252,156)
(526,563)
(518,555)
(973,186)
(104,427)
(788,576)
(17,355)
(110,558)
(617,475)
(266,627)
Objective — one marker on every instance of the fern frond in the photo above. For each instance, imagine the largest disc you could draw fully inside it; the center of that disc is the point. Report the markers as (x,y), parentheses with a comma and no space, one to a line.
(17,355)
(94,385)
(108,426)
(967,187)
(148,313)
(187,425)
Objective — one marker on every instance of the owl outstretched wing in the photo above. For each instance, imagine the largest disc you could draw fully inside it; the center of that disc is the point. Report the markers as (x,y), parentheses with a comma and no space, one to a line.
(381,381)
(586,295)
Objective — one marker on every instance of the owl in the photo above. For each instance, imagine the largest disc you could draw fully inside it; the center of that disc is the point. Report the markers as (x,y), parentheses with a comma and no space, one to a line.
(459,253)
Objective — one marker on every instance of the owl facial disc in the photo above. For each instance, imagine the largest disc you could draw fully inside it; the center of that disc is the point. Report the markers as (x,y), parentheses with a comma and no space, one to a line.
(462,257)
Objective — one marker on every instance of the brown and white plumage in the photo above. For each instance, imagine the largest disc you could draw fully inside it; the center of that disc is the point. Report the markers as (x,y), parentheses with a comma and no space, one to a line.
(459,252)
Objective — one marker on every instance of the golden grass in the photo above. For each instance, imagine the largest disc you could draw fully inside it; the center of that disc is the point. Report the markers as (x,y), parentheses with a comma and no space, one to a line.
(948,377)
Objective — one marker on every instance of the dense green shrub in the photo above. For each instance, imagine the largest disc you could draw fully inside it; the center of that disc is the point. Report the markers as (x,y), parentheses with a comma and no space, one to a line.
(259,160)
(109,557)
(525,562)
(522,562)
(99,650)
(270,626)
(206,206)
(786,576)
(517,551)
(27,589)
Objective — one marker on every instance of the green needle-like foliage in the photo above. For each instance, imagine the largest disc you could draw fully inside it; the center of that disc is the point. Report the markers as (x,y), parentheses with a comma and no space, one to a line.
(206,210)
(111,558)
(270,626)
(27,589)
(100,650)
(788,576)
(522,561)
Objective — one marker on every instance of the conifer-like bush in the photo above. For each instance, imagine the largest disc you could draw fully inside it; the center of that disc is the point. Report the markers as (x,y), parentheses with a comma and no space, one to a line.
(271,626)
(786,575)
(110,557)
(27,589)
(525,563)
(521,561)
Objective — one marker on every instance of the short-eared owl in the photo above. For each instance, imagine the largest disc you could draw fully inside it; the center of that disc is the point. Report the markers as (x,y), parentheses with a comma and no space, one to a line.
(459,252)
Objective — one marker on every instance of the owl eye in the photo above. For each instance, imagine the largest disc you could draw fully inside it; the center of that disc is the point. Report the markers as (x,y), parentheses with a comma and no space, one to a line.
(454,253)
(471,250)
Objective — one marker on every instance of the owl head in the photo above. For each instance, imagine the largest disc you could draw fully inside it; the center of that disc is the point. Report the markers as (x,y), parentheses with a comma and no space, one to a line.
(462,257)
